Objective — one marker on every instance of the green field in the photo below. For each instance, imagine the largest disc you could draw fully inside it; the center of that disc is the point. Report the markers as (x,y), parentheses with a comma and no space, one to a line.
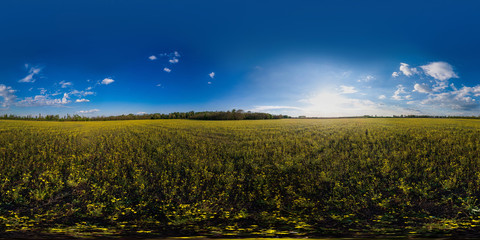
(261,177)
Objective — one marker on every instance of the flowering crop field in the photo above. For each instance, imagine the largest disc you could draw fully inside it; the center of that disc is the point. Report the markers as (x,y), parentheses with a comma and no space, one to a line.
(262,177)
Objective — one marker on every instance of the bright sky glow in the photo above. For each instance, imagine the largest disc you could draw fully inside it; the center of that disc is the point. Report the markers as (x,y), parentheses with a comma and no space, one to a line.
(314,58)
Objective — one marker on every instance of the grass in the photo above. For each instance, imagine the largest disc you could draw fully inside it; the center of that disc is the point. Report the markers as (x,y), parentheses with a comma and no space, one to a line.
(292,177)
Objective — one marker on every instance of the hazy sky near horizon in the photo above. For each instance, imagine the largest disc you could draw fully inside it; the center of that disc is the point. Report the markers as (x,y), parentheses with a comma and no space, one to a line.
(313,58)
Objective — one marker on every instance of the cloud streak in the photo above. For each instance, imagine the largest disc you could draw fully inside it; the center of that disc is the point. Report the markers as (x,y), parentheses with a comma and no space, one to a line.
(347,89)
(89,111)
(81,93)
(32,72)
(43,100)
(65,84)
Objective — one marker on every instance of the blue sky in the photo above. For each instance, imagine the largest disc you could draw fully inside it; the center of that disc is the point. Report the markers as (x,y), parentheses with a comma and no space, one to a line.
(313,58)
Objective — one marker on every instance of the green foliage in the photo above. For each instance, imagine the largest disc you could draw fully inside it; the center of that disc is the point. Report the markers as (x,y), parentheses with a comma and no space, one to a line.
(217,115)
(401,176)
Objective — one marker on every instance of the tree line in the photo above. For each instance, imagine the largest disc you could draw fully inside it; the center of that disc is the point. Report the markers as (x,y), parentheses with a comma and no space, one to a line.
(206,115)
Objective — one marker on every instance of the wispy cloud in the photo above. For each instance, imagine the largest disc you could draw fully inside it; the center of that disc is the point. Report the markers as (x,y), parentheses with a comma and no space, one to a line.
(152,58)
(271,107)
(43,100)
(167,69)
(82,100)
(8,95)
(347,89)
(212,75)
(81,93)
(397,94)
(456,100)
(107,81)
(381,97)
(89,111)
(32,72)
(173,57)
(65,84)
(366,78)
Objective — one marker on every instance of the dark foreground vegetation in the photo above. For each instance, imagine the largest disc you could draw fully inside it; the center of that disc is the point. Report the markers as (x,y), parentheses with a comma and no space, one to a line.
(347,177)
(208,115)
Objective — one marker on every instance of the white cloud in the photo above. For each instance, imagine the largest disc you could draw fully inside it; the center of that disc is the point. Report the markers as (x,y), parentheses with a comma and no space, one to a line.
(450,100)
(30,77)
(88,88)
(159,85)
(65,84)
(347,89)
(441,71)
(382,97)
(367,78)
(65,98)
(89,111)
(82,100)
(406,70)
(173,57)
(396,94)
(43,100)
(42,90)
(107,81)
(167,69)
(459,99)
(209,83)
(476,90)
(422,88)
(152,57)
(327,104)
(81,93)
(267,108)
(439,86)
(212,74)
(141,113)
(7,93)
(453,87)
